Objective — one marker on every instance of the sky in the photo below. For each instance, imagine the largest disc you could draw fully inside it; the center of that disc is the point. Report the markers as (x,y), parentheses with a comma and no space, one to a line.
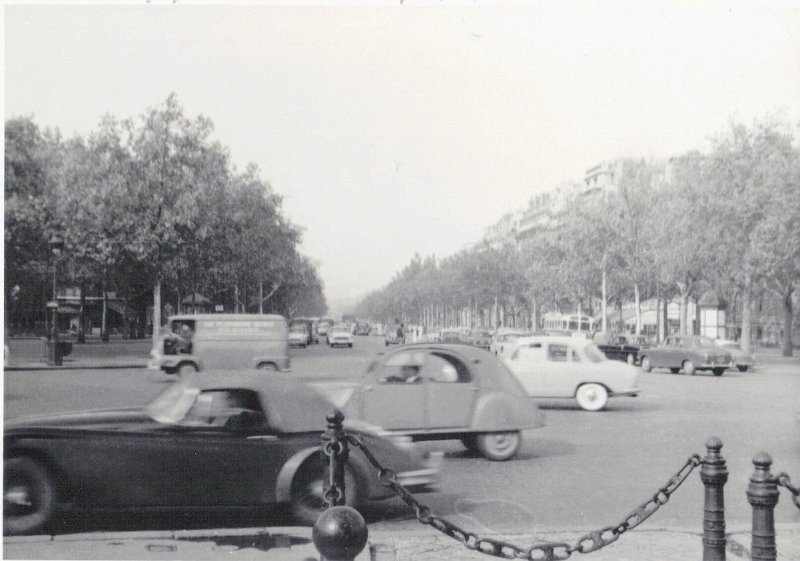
(395,128)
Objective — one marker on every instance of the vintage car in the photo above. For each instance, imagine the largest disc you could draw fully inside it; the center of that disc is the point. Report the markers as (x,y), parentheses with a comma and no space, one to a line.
(340,336)
(624,347)
(480,338)
(434,391)
(210,441)
(363,328)
(740,360)
(311,334)
(298,335)
(572,367)
(688,352)
(503,339)
(450,336)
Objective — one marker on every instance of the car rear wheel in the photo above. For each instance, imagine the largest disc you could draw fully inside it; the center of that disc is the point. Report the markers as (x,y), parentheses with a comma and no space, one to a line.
(187,369)
(646,366)
(498,446)
(742,368)
(674,370)
(29,496)
(718,371)
(308,498)
(591,397)
(267,367)
(688,367)
(631,359)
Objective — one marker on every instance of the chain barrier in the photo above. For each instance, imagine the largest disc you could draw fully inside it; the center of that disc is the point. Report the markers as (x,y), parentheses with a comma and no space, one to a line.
(782,479)
(547,551)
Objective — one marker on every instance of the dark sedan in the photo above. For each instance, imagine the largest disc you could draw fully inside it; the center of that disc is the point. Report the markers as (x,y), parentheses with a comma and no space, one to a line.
(625,347)
(211,440)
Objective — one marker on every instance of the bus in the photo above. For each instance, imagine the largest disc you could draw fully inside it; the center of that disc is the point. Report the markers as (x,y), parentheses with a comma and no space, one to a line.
(576,325)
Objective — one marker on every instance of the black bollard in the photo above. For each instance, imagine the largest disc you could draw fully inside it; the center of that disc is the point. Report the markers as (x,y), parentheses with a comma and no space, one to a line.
(762,494)
(714,475)
(340,532)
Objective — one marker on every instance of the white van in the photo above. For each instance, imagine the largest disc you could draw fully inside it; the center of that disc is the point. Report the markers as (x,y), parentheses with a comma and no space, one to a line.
(194,342)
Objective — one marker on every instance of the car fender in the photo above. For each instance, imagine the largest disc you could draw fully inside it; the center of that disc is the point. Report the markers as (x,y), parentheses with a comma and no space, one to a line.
(495,411)
(283,484)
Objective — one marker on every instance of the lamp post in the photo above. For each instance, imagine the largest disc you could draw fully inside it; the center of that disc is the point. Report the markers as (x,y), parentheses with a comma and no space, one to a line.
(56,248)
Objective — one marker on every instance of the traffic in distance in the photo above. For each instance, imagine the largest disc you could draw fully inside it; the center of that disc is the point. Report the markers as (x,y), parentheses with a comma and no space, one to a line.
(233,395)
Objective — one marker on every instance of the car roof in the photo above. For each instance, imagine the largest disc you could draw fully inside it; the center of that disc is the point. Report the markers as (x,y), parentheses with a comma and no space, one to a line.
(290,404)
(227,317)
(579,342)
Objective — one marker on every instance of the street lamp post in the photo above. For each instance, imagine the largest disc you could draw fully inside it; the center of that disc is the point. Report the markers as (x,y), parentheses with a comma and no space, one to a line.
(56,248)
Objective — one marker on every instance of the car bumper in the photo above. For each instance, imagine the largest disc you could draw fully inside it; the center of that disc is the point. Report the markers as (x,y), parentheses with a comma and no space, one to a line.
(633,392)
(421,479)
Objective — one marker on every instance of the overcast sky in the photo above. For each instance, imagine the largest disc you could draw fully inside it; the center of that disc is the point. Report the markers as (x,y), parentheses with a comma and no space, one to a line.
(399,128)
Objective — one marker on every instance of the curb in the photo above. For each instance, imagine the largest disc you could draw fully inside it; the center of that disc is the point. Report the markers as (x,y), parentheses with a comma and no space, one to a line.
(23,367)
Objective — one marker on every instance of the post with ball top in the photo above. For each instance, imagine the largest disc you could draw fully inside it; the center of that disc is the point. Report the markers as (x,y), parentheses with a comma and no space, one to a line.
(340,532)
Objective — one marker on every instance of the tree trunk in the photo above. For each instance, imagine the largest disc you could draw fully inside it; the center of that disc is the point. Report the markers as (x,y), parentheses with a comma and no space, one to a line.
(104,321)
(787,322)
(156,309)
(638,308)
(604,306)
(745,339)
(82,318)
(261,297)
(684,299)
(665,318)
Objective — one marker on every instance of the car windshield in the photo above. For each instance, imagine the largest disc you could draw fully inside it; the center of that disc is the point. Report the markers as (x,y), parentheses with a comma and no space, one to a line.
(171,406)
(341,330)
(482,334)
(594,354)
(298,329)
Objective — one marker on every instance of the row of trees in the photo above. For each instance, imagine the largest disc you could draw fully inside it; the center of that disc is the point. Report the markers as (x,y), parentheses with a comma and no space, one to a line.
(727,220)
(152,208)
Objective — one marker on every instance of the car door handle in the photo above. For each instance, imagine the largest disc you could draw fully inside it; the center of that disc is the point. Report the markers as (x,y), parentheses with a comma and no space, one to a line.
(263,437)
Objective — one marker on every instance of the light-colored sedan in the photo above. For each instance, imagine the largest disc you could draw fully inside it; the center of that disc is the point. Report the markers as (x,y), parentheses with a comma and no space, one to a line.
(570,367)
(340,335)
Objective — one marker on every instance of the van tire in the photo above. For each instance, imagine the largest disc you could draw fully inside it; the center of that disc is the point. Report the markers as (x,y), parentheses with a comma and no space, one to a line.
(267,367)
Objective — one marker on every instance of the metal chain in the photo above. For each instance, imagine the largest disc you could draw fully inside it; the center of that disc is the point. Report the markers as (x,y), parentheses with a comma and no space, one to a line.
(783,480)
(547,551)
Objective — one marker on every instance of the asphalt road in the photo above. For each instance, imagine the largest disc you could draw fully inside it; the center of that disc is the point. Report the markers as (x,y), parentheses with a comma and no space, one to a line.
(582,471)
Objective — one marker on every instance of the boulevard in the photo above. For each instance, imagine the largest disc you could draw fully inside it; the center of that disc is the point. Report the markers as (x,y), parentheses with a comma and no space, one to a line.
(583,470)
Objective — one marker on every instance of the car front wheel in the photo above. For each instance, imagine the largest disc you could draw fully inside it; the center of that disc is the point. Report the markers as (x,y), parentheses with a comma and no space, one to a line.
(646,366)
(29,496)
(187,369)
(591,397)
(742,368)
(498,446)
(308,495)
(718,371)
(688,367)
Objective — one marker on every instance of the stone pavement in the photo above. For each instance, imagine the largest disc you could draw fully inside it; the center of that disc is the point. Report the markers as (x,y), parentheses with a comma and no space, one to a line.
(294,544)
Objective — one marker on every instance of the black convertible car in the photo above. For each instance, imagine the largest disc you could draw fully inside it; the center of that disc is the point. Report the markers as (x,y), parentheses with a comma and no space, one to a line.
(211,440)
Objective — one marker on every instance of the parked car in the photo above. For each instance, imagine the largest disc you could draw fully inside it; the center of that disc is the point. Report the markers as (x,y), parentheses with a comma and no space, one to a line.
(480,338)
(503,339)
(363,328)
(625,347)
(230,341)
(688,352)
(432,391)
(741,360)
(209,441)
(340,335)
(298,335)
(558,366)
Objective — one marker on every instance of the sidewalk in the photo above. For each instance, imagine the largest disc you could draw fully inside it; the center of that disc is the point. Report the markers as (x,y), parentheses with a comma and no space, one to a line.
(294,544)
(27,354)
